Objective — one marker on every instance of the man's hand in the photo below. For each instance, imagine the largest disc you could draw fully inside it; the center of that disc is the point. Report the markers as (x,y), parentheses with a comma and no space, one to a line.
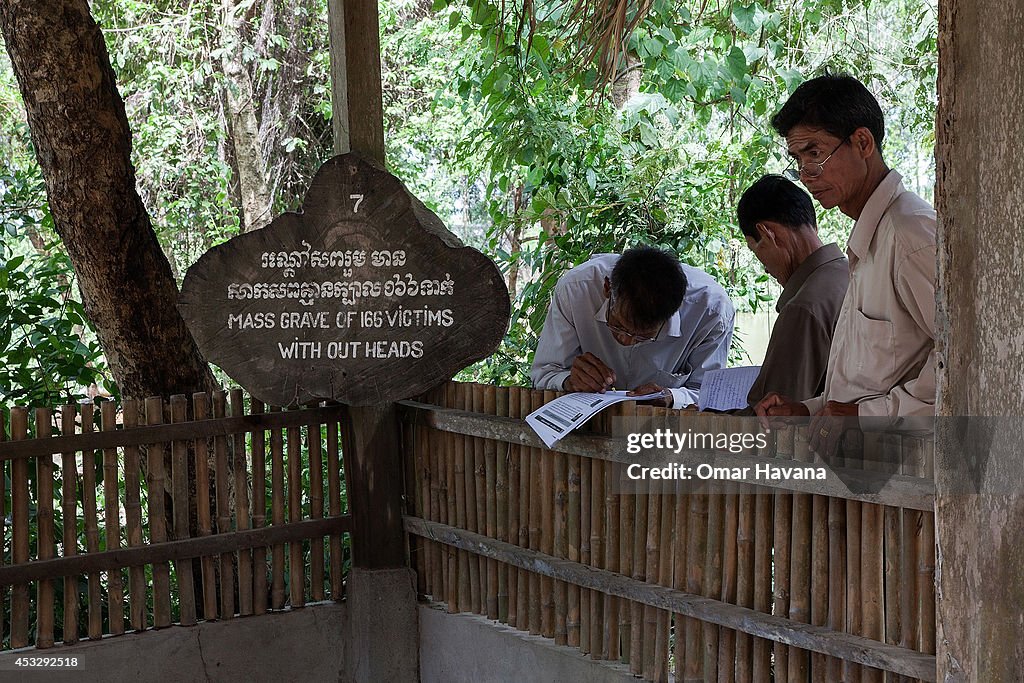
(777,405)
(651,388)
(827,427)
(589,373)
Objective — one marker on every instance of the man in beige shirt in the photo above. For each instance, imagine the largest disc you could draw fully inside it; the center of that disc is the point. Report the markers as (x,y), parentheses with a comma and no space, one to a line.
(882,363)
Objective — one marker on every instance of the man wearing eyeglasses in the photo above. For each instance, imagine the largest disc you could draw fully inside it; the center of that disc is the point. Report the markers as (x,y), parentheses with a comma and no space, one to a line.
(641,321)
(882,362)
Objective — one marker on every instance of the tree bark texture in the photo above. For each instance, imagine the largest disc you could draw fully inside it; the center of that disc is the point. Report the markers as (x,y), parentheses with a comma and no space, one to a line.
(243,126)
(980,202)
(83,143)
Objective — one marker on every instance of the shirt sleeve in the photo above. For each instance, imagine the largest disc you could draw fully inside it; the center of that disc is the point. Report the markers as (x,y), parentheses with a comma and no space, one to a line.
(559,344)
(712,353)
(797,356)
(915,286)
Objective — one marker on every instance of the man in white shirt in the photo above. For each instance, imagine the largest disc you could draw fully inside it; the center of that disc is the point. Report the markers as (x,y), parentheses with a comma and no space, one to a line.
(882,362)
(641,321)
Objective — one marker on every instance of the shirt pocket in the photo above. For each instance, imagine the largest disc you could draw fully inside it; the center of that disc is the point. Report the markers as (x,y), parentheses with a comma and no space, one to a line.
(874,348)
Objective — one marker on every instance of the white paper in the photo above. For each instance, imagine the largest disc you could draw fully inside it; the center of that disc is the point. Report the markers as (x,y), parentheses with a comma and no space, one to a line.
(556,419)
(727,389)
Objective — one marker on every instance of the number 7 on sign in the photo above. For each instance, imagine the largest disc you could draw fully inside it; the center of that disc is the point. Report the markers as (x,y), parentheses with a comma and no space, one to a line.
(359,200)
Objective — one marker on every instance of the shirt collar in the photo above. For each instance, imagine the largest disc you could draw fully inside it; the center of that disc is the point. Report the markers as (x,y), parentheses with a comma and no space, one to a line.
(864,229)
(671,328)
(821,256)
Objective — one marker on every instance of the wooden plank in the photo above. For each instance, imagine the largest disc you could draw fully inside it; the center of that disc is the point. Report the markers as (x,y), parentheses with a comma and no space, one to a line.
(169,551)
(92,531)
(156,485)
(490,520)
(222,485)
(180,500)
(259,512)
(515,507)
(277,594)
(162,433)
(475,403)
(316,509)
(20,531)
(905,491)
(333,507)
(69,520)
(46,547)
(3,519)
(204,522)
(296,563)
(806,636)
(242,506)
(112,520)
(133,522)
(501,494)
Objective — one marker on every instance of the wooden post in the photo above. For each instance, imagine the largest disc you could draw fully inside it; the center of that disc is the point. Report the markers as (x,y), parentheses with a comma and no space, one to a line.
(980,535)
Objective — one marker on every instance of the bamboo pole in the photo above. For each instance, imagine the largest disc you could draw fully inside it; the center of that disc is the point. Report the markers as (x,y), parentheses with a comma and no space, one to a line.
(179,510)
(547,525)
(46,547)
(133,527)
(524,581)
(626,537)
(204,522)
(696,552)
(316,511)
(602,607)
(112,520)
(69,522)
(574,619)
(427,481)
(415,478)
(680,579)
(744,581)
(475,404)
(586,491)
(872,544)
(468,577)
(156,485)
(259,511)
(819,575)
(762,588)
(501,485)
(666,499)
(3,519)
(242,521)
(836,577)
(853,457)
(536,507)
(20,529)
(491,501)
(730,563)
(651,555)
(561,539)
(615,505)
(220,476)
(296,563)
(800,564)
(514,459)
(333,503)
(781,547)
(458,563)
(713,558)
(636,535)
(926,557)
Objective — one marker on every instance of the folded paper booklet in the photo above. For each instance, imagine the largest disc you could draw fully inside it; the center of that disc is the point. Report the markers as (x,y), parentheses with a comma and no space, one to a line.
(556,419)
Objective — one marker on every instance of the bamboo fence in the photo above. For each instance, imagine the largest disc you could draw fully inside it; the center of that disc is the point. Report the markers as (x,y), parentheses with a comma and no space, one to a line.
(166,512)
(787,581)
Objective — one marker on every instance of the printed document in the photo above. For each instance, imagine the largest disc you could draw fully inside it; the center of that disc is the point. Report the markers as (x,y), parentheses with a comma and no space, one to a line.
(727,389)
(556,419)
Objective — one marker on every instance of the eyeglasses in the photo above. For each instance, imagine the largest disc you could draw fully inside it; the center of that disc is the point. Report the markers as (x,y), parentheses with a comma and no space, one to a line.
(634,338)
(811,169)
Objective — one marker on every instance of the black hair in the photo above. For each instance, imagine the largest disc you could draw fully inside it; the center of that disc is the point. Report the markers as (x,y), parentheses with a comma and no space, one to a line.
(836,103)
(774,198)
(650,285)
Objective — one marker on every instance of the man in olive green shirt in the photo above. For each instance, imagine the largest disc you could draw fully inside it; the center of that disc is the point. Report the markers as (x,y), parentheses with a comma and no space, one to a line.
(778,221)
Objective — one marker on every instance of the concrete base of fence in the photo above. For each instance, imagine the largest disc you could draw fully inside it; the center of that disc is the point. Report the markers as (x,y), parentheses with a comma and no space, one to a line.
(457,648)
(383,635)
(278,646)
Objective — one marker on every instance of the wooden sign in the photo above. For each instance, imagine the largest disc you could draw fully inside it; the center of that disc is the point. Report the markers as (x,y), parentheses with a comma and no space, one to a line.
(363,297)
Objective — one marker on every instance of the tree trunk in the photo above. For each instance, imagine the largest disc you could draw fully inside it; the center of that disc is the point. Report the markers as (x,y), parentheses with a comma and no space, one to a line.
(80,130)
(981,206)
(242,124)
